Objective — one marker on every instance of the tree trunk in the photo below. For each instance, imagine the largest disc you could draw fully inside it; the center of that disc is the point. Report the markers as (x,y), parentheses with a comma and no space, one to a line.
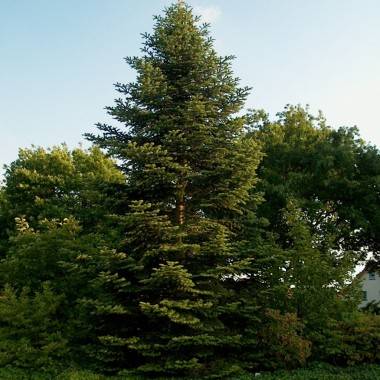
(181,210)
(180,206)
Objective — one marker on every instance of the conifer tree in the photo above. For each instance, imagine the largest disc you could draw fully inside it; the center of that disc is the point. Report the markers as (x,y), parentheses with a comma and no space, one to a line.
(189,166)
(181,143)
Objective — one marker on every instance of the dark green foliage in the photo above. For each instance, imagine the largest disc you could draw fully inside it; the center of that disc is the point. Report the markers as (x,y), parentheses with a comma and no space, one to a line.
(352,341)
(325,372)
(159,317)
(181,140)
(319,281)
(44,263)
(333,174)
(184,151)
(181,261)
(281,342)
(372,307)
(312,186)
(315,372)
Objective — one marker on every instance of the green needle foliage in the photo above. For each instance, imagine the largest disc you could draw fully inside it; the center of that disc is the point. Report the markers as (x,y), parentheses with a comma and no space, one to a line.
(190,167)
(160,253)
(182,143)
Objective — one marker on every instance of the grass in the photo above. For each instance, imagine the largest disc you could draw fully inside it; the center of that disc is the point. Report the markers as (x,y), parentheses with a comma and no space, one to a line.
(323,372)
(364,372)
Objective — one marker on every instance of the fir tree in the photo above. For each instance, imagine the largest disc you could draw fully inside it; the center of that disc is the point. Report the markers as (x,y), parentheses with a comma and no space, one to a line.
(189,167)
(182,144)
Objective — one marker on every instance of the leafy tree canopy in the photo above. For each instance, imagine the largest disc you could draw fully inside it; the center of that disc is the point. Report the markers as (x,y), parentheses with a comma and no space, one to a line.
(58,183)
(332,174)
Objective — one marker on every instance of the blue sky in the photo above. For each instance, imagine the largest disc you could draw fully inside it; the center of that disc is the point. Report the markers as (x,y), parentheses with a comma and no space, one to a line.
(59,60)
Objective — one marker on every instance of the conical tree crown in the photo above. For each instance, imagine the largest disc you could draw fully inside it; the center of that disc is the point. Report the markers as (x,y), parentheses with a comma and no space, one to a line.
(189,167)
(182,143)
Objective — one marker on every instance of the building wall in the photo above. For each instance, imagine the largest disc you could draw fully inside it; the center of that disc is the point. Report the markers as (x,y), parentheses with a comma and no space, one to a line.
(371,287)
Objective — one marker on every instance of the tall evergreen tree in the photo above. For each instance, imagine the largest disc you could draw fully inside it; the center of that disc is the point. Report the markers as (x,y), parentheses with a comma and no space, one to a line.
(189,167)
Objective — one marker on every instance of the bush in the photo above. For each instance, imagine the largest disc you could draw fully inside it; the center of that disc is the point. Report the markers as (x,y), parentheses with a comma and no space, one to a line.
(281,343)
(353,341)
(372,307)
(325,372)
(30,336)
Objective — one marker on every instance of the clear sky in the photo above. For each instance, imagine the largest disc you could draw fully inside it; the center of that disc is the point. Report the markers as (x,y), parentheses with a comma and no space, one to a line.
(59,59)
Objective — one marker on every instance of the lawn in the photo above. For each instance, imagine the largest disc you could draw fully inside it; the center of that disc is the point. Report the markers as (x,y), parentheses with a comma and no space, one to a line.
(365,372)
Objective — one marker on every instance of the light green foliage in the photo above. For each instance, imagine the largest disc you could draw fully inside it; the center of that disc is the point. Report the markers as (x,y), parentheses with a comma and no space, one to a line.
(58,254)
(36,256)
(317,276)
(30,332)
(58,183)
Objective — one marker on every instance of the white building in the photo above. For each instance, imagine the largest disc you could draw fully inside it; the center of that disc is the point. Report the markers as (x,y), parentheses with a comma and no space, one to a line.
(370,285)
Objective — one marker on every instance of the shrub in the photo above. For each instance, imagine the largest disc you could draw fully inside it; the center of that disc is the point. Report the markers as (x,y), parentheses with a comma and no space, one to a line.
(372,307)
(354,341)
(281,341)
(30,336)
